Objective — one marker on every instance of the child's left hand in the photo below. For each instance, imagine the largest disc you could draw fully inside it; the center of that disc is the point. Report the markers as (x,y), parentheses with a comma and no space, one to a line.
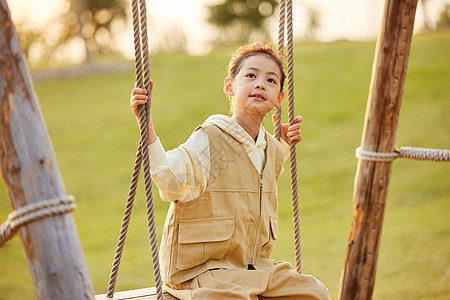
(291,132)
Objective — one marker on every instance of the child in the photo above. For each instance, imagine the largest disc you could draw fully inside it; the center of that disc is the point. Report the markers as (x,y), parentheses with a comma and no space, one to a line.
(222,223)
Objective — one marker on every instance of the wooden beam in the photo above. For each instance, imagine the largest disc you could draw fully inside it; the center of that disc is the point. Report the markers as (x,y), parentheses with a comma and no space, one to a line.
(31,174)
(379,134)
(139,294)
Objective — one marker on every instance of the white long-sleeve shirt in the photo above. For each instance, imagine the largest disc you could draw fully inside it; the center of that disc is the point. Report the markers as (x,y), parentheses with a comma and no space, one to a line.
(182,173)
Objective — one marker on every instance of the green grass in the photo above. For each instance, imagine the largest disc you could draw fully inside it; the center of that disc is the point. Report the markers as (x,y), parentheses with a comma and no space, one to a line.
(95,137)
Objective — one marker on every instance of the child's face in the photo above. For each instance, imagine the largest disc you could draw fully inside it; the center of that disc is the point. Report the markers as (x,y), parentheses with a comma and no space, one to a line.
(256,88)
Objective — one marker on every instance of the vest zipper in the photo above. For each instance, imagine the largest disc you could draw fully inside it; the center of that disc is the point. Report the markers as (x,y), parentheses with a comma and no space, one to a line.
(256,235)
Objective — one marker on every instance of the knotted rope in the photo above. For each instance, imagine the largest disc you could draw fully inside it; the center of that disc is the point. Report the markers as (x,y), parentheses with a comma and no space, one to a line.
(404,152)
(142,67)
(286,17)
(33,212)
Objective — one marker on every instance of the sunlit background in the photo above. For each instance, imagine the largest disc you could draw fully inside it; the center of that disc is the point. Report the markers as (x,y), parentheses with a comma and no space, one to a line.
(80,56)
(183,25)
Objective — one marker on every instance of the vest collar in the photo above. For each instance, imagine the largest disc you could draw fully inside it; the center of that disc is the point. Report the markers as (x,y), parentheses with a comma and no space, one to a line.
(235,130)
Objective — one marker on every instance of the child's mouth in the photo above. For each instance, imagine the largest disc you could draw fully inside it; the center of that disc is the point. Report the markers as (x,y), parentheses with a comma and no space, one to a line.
(259,97)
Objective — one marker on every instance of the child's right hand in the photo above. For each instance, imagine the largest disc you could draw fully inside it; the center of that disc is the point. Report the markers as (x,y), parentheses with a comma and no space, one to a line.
(139,97)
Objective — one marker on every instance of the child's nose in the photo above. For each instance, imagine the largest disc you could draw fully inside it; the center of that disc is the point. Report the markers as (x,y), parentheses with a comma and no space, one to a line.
(260,85)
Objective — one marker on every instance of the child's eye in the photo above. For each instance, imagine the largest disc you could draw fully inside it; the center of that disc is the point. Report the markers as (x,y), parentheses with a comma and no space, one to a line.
(271,80)
(251,75)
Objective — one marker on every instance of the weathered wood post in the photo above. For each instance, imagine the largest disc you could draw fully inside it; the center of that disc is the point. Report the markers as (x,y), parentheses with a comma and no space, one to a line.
(31,174)
(379,134)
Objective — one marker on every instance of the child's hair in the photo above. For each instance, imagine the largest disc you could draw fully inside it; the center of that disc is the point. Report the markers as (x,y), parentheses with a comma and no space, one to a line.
(238,57)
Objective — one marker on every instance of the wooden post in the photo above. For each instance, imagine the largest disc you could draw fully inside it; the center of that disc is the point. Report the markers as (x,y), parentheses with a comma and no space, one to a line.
(52,247)
(379,134)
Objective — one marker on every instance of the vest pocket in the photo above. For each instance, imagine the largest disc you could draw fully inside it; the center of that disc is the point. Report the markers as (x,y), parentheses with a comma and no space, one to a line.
(271,229)
(274,226)
(202,239)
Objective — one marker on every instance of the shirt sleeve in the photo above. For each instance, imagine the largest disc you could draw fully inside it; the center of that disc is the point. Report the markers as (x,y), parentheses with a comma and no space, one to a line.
(182,173)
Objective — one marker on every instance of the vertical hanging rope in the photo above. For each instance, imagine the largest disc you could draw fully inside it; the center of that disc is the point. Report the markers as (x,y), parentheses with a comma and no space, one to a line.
(137,164)
(143,80)
(282,20)
(145,114)
(286,17)
(291,114)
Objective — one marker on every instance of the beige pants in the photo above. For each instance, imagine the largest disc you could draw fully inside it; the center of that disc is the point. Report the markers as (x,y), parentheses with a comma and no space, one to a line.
(278,282)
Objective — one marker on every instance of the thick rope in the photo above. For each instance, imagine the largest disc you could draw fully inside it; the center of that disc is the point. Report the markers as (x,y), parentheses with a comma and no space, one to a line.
(282,21)
(143,80)
(404,152)
(33,212)
(144,144)
(286,9)
(137,164)
(144,118)
(291,114)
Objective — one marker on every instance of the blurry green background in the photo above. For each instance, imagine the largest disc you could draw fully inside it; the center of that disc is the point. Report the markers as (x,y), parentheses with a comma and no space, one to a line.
(95,138)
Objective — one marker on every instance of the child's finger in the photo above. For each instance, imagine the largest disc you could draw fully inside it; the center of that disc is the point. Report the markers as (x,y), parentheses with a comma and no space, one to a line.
(298,119)
(139,97)
(296,136)
(294,132)
(135,105)
(294,127)
(138,102)
(139,91)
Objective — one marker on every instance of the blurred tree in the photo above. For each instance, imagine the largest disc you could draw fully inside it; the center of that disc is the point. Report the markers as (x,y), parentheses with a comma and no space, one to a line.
(237,20)
(89,21)
(313,24)
(27,37)
(426,21)
(92,20)
(444,18)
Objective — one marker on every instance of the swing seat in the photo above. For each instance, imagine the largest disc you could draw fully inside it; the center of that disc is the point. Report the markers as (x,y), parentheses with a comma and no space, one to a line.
(139,294)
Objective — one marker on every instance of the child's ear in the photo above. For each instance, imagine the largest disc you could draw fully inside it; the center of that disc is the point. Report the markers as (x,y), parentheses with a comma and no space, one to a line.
(227,87)
(279,102)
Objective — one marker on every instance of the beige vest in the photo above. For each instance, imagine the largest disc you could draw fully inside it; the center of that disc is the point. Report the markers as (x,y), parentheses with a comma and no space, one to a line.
(233,223)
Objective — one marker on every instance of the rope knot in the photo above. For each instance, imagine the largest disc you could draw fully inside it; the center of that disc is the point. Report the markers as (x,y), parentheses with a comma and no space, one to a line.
(32,212)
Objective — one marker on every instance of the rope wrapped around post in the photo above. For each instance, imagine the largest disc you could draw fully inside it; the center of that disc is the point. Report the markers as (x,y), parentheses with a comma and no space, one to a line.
(33,212)
(142,67)
(286,17)
(437,155)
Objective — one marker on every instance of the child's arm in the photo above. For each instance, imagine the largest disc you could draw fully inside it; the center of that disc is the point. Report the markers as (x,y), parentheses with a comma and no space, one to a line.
(181,174)
(139,97)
